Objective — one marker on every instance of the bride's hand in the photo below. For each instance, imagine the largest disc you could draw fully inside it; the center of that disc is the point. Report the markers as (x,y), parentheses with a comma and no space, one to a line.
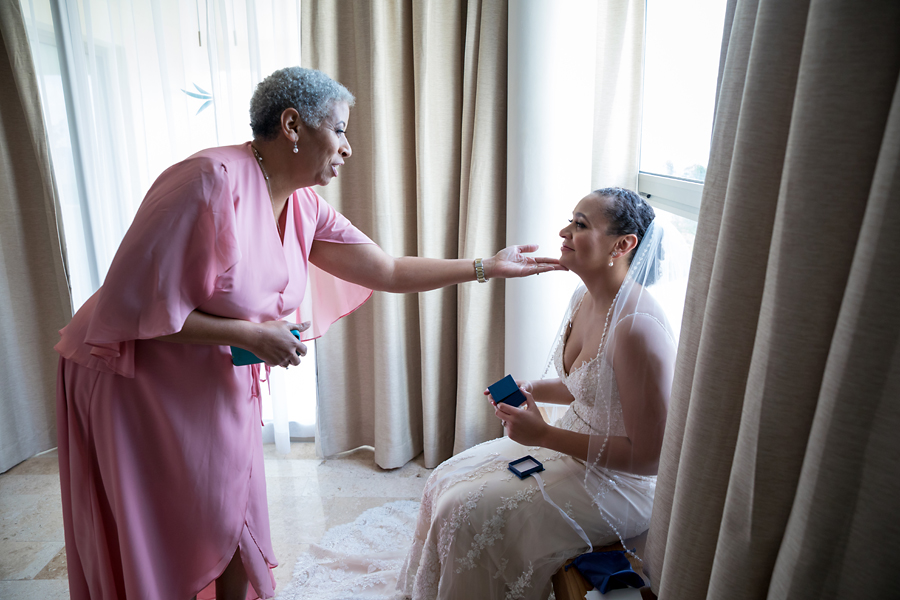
(523,425)
(512,262)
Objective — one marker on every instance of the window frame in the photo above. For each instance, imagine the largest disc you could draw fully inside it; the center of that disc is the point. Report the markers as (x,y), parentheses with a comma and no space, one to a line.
(678,196)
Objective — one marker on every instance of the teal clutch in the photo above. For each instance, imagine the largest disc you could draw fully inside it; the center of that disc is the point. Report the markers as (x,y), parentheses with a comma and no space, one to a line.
(241,357)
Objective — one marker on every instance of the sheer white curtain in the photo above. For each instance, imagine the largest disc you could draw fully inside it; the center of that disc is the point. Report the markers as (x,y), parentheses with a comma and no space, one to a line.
(130,87)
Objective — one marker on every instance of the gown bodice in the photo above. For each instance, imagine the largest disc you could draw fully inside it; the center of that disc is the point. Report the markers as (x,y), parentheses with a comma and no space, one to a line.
(583,382)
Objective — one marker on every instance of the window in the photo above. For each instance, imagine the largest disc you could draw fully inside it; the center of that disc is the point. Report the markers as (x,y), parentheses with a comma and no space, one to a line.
(681,63)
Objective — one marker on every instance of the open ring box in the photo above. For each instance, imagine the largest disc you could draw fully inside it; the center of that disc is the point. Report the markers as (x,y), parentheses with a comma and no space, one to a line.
(507,391)
(525,466)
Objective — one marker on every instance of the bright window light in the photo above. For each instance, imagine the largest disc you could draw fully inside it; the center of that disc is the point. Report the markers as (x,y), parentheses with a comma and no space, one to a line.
(681,63)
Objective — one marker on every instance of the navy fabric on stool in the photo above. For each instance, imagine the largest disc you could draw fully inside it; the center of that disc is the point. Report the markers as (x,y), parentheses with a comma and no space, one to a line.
(607,570)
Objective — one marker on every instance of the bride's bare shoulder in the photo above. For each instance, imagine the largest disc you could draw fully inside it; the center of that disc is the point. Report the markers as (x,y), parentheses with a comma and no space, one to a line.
(643,322)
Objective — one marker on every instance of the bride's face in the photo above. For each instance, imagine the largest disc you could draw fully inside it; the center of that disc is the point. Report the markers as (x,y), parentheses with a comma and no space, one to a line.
(586,246)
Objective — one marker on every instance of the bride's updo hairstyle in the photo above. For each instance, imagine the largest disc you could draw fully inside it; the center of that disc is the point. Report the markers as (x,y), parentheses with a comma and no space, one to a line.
(628,213)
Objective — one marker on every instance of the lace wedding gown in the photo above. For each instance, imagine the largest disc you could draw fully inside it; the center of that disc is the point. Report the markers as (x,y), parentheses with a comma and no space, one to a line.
(483,533)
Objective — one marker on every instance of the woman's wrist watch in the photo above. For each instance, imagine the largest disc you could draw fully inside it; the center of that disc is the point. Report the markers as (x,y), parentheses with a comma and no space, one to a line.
(479,271)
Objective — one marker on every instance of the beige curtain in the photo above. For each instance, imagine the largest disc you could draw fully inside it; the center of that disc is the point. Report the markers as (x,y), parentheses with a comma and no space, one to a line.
(780,471)
(405,373)
(34,294)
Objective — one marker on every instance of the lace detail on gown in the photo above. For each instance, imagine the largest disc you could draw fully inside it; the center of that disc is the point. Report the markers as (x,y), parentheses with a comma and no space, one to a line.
(492,529)
(459,515)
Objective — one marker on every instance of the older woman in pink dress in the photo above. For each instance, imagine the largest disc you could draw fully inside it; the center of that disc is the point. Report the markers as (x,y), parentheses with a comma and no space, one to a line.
(160,454)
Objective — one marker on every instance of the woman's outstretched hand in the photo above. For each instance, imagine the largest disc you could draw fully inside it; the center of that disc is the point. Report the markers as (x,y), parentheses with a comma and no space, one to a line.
(524,424)
(512,262)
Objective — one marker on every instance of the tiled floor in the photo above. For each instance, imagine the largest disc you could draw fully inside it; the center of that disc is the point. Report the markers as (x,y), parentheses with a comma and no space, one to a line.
(307,497)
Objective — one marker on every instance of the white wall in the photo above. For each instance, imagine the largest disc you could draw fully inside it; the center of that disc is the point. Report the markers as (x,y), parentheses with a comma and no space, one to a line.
(552,49)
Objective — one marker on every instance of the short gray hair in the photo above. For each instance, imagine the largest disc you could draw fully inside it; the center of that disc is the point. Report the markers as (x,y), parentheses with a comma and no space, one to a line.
(312,93)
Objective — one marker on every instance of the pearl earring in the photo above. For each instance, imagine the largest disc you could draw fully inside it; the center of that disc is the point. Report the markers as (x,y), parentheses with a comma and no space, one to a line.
(295,148)
(614,254)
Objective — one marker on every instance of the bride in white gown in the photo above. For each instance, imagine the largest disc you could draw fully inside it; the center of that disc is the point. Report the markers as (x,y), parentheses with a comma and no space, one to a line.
(480,531)
(484,533)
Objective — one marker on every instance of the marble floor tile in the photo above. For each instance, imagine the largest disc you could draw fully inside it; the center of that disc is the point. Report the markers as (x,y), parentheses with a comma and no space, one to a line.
(42,464)
(24,560)
(292,487)
(291,468)
(47,589)
(299,519)
(31,518)
(299,451)
(359,476)
(29,485)
(56,568)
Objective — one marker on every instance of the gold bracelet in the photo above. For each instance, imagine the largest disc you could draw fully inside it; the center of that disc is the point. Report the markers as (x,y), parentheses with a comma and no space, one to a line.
(479,271)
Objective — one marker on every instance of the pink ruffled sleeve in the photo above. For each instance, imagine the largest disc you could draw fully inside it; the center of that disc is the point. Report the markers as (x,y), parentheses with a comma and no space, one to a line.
(182,238)
(328,298)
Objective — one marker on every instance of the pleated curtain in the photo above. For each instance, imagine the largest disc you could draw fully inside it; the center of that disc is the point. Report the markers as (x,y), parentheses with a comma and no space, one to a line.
(780,470)
(34,293)
(427,177)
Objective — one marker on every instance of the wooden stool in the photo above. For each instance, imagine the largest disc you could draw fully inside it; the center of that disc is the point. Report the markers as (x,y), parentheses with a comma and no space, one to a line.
(570,584)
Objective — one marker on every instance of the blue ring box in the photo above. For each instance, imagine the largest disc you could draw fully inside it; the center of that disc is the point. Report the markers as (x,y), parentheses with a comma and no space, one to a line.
(507,391)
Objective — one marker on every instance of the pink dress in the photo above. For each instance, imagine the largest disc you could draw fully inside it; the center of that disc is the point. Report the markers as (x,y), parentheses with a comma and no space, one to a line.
(159,443)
